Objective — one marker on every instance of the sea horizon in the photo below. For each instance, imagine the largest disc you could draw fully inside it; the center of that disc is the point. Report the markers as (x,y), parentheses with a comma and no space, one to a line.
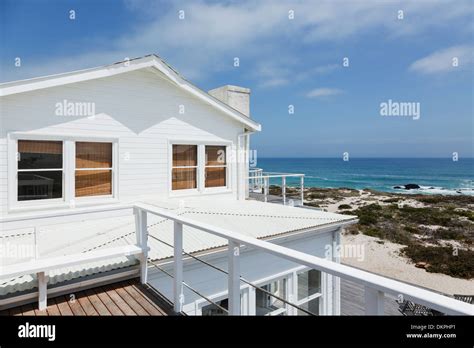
(432,175)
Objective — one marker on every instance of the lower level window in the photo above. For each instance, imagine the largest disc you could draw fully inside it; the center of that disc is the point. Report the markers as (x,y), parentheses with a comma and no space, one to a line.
(212,309)
(266,304)
(309,291)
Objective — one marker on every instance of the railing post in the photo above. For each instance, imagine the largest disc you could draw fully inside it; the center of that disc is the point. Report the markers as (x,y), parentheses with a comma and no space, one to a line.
(141,229)
(234,278)
(42,290)
(374,301)
(283,189)
(178,268)
(265,188)
(302,189)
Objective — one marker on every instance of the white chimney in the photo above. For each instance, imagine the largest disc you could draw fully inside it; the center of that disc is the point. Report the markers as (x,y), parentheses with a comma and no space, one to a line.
(234,96)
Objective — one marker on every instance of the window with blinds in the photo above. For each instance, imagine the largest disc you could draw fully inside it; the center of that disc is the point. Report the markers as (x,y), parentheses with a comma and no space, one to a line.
(185,164)
(40,169)
(216,166)
(93,176)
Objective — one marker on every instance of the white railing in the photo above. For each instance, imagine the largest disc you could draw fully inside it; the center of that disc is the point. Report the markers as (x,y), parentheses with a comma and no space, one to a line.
(260,181)
(41,266)
(375,286)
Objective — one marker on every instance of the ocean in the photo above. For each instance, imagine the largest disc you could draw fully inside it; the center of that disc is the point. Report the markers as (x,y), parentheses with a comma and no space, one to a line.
(433,175)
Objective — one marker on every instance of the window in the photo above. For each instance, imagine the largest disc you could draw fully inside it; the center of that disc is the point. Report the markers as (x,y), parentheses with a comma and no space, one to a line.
(40,169)
(93,176)
(185,164)
(309,283)
(212,309)
(266,304)
(216,166)
(309,291)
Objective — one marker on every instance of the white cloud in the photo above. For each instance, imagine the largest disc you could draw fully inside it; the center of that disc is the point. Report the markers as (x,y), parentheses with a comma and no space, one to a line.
(323,92)
(442,61)
(212,34)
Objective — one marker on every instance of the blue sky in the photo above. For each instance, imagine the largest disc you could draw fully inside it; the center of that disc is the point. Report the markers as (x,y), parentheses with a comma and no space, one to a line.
(284,61)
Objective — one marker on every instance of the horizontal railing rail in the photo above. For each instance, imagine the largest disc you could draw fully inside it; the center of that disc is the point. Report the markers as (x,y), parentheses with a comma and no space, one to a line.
(375,285)
(260,180)
(41,266)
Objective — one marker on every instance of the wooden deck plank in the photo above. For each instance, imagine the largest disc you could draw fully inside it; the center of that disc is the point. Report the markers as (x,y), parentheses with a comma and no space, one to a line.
(28,309)
(127,297)
(53,308)
(124,307)
(108,302)
(86,304)
(75,306)
(63,305)
(164,305)
(15,311)
(136,307)
(148,306)
(39,313)
(99,306)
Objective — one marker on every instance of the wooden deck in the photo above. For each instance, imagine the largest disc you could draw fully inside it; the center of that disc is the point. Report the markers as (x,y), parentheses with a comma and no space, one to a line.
(124,298)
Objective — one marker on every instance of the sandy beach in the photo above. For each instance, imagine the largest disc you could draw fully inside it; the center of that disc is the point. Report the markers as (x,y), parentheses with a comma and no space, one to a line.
(385,259)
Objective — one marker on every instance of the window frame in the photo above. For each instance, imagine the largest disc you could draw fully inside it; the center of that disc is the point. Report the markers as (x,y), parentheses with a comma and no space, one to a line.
(226,166)
(69,159)
(196,167)
(309,298)
(29,202)
(112,168)
(201,153)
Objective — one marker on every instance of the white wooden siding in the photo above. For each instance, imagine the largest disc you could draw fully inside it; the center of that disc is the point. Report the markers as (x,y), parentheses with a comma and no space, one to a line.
(139,108)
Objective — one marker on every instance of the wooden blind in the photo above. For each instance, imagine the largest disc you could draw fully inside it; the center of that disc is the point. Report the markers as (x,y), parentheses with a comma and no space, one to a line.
(215,176)
(184,178)
(93,155)
(215,155)
(184,155)
(93,182)
(40,146)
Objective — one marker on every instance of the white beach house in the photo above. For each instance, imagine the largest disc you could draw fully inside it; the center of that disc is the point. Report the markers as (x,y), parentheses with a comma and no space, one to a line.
(128,170)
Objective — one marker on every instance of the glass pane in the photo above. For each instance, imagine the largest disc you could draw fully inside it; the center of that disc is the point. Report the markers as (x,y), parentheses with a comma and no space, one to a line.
(311,306)
(93,155)
(184,178)
(40,154)
(266,303)
(309,283)
(184,155)
(93,182)
(215,177)
(215,155)
(212,309)
(40,185)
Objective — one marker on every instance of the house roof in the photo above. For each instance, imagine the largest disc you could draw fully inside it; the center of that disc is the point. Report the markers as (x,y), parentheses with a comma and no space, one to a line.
(252,218)
(149,61)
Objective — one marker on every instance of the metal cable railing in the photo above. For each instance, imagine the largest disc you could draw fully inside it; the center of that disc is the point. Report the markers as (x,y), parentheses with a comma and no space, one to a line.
(241,278)
(188,287)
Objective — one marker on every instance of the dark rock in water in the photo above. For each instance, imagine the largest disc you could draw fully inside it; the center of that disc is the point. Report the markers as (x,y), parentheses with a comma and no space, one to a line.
(431,188)
(412,186)
(397,187)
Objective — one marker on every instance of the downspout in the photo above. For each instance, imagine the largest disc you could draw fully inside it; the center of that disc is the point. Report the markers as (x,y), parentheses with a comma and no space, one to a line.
(241,187)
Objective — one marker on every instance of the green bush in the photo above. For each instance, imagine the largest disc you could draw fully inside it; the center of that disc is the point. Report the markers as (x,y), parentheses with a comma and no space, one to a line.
(443,259)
